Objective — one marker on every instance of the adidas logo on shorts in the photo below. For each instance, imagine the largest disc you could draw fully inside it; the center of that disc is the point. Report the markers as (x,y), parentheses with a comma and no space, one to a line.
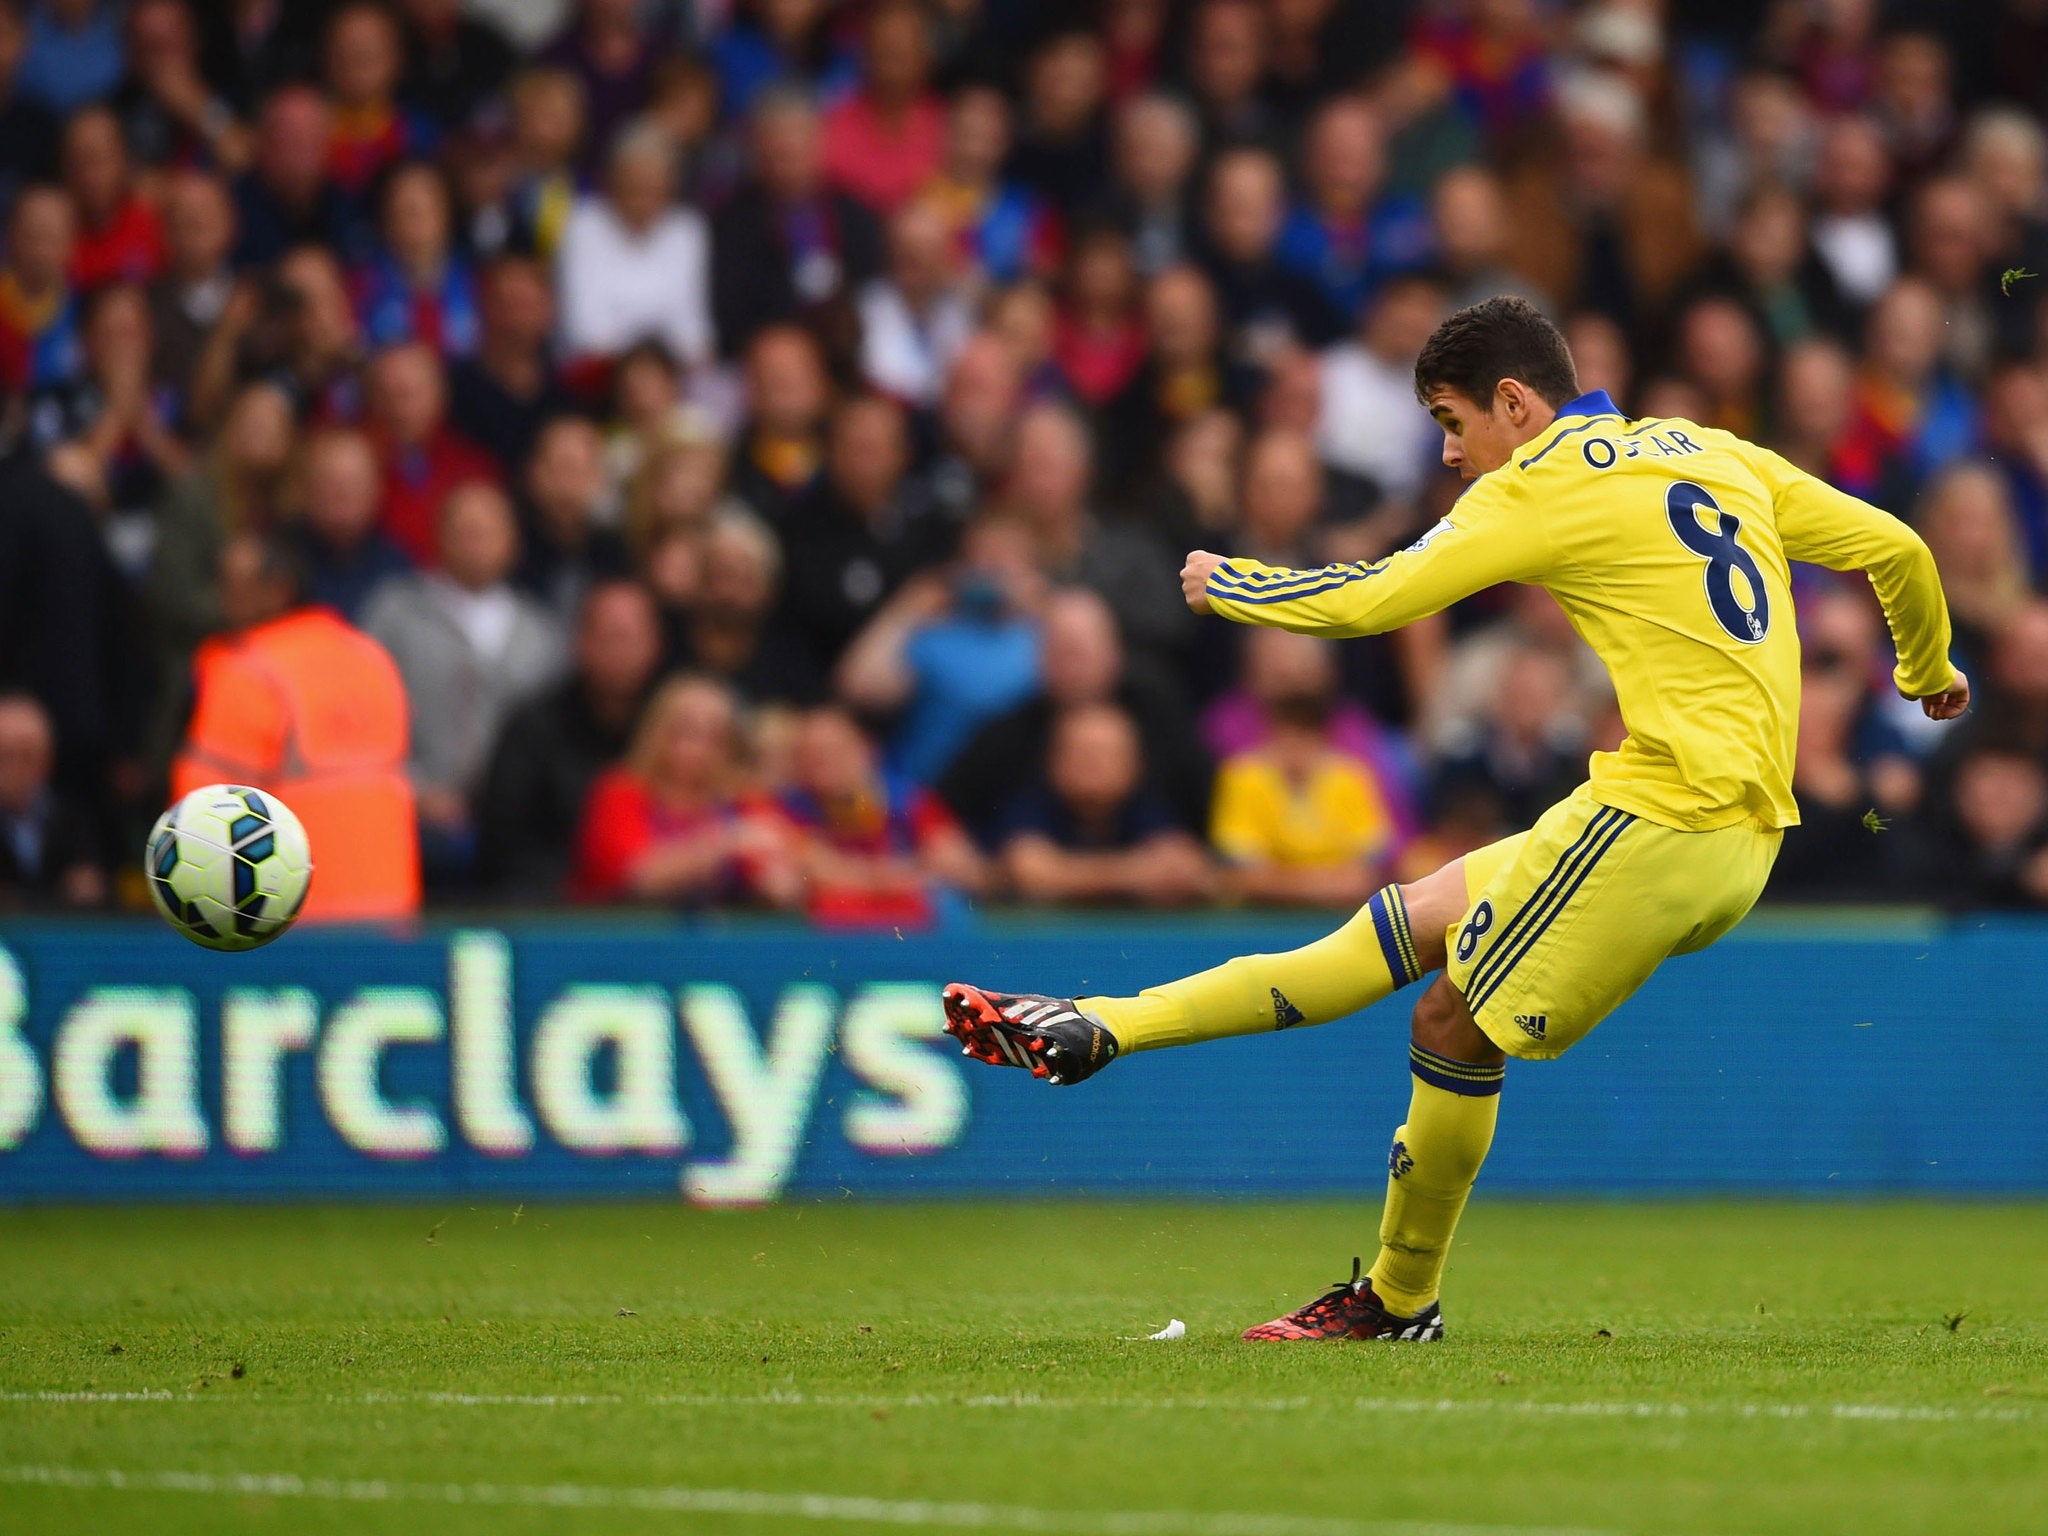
(1285,1014)
(1532,1024)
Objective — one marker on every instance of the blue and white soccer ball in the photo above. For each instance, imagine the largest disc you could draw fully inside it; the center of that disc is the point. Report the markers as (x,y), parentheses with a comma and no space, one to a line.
(229,866)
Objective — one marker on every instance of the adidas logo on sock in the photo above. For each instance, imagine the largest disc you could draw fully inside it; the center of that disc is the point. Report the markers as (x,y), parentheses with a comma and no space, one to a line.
(1285,1014)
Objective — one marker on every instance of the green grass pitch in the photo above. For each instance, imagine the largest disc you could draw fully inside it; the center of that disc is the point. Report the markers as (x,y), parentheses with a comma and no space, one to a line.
(832,1367)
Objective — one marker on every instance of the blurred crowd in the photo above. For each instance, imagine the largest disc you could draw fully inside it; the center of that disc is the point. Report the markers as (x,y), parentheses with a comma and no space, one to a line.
(739,452)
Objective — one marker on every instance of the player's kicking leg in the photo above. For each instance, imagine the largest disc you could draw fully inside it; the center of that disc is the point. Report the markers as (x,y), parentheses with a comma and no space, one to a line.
(1395,938)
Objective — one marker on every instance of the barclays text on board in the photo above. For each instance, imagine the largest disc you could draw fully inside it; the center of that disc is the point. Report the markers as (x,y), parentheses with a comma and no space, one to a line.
(737,1065)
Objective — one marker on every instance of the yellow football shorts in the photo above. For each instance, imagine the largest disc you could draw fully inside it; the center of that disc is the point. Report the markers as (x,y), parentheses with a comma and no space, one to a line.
(1567,919)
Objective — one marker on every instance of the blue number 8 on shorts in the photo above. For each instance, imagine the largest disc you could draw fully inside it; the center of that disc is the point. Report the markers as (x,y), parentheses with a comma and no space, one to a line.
(1477,926)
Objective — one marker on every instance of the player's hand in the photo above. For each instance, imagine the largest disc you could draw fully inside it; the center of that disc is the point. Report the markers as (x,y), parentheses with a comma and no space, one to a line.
(1948,705)
(1194,578)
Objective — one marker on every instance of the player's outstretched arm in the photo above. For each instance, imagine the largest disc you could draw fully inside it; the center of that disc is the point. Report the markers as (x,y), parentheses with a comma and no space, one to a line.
(1832,528)
(1485,541)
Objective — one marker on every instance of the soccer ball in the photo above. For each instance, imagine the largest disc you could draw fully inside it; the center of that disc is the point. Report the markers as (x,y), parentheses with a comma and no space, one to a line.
(229,866)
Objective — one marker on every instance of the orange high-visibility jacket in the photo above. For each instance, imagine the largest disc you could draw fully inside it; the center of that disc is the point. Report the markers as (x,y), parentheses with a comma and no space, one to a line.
(313,711)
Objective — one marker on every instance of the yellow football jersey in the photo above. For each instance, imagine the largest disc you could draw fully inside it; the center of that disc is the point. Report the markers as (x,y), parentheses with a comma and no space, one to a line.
(1667,545)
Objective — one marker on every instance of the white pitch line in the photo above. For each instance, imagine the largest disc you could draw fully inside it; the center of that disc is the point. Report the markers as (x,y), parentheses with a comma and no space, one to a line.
(749,1503)
(1874,1413)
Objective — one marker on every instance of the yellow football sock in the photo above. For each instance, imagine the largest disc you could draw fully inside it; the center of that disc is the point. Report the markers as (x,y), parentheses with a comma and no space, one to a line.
(1369,958)
(1430,1170)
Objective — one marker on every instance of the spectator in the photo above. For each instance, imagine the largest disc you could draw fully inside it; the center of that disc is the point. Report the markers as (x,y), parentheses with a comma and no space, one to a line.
(915,319)
(2015,439)
(567,538)
(612,54)
(877,849)
(1489,59)
(28,131)
(1282,502)
(119,238)
(1966,517)
(1849,765)
(999,228)
(455,63)
(1949,245)
(1156,141)
(976,427)
(1816,407)
(861,533)
(1855,241)
(728,631)
(1061,140)
(674,823)
(74,53)
(1913,102)
(1772,268)
(1912,416)
(1049,489)
(1195,500)
(1608,223)
(1099,338)
(1226,69)
(1298,820)
(252,48)
(1091,831)
(554,746)
(951,654)
(677,488)
(39,321)
(371,130)
(547,143)
(2005,155)
(1345,236)
(633,265)
(286,200)
(170,115)
(1999,812)
(886,140)
(1469,232)
(297,332)
(187,302)
(1022,318)
(1277,666)
(470,648)
(240,486)
(1081,659)
(294,701)
(424,457)
(344,554)
(1266,304)
(788,247)
(49,847)
(781,451)
(415,287)
(767,45)
(650,413)
(1365,426)
(117,445)
(500,397)
(1186,373)
(1528,750)
(1722,354)
(1600,348)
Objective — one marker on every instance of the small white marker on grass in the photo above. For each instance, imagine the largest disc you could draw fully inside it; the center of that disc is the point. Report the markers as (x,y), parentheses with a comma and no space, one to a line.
(1173,1330)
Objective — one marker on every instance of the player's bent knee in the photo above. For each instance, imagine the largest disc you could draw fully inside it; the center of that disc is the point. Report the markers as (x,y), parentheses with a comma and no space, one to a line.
(1443,1024)
(1434,902)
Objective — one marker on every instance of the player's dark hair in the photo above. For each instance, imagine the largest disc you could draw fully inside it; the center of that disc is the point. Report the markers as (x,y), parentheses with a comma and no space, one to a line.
(1500,338)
